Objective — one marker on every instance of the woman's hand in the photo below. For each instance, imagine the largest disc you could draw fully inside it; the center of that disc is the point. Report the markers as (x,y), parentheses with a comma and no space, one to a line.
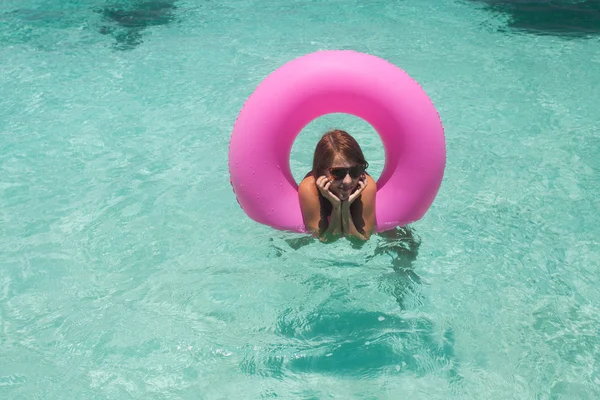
(362,184)
(323,184)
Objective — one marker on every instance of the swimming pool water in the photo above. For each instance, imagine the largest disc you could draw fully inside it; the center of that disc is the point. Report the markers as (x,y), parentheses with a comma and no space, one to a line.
(129,271)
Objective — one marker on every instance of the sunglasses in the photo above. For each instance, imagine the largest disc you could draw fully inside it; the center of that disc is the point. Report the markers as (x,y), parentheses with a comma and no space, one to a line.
(355,171)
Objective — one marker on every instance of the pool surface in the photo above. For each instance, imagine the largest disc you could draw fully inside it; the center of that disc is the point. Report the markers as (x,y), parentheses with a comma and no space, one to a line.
(128,270)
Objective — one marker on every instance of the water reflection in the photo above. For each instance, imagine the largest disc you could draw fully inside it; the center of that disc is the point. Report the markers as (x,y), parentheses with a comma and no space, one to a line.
(550,17)
(402,245)
(334,338)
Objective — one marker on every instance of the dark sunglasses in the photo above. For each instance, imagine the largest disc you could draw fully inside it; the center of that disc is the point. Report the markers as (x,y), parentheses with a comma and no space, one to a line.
(355,171)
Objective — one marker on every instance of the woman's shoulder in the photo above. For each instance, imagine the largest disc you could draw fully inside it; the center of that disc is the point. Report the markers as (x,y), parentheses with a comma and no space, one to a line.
(308,195)
(370,191)
(372,182)
(307,185)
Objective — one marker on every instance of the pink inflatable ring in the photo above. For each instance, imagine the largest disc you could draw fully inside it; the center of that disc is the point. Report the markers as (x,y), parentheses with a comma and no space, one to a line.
(337,82)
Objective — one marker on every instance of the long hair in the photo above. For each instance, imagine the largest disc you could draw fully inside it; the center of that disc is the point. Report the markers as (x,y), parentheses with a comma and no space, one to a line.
(333,143)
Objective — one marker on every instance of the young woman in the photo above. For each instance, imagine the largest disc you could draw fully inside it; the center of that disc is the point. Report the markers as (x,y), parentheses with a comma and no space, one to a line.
(337,197)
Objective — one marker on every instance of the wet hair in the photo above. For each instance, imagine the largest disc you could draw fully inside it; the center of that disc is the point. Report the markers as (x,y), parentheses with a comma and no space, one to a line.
(333,143)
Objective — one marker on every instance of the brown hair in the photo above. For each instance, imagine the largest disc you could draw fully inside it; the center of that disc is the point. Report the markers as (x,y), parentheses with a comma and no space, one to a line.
(335,142)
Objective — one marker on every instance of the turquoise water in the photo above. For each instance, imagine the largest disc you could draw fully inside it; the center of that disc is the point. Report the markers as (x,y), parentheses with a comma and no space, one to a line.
(129,271)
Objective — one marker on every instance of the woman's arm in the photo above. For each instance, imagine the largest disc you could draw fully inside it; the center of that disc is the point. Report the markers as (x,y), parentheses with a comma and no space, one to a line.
(348,224)
(311,212)
(334,230)
(358,213)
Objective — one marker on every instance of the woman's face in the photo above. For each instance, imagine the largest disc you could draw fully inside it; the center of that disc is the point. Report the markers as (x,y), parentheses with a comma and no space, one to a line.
(342,188)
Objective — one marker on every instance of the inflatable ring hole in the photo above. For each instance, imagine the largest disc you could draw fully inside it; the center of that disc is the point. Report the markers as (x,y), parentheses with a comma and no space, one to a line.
(303,149)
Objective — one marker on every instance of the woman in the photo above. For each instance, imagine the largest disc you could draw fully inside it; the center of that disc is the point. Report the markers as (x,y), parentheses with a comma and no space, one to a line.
(337,197)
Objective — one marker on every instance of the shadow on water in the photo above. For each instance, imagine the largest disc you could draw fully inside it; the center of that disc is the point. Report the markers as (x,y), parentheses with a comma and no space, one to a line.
(366,343)
(127,21)
(550,17)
